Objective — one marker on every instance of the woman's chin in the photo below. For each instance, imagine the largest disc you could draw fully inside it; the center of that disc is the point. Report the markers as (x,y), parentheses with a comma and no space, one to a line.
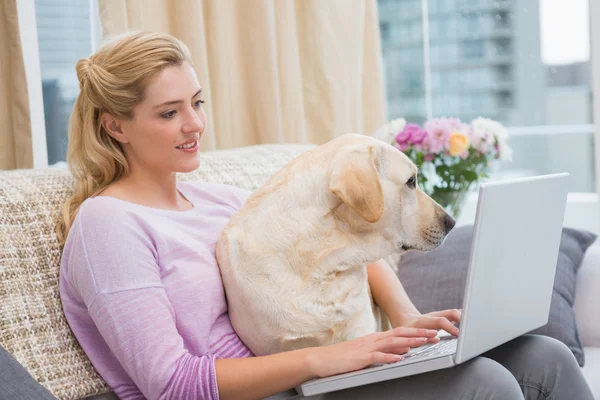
(188,167)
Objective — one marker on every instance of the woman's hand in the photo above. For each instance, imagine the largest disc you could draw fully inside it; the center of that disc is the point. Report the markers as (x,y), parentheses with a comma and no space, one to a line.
(433,320)
(380,347)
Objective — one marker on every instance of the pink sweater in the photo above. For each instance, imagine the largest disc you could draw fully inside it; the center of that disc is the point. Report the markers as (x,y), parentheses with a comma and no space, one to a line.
(143,294)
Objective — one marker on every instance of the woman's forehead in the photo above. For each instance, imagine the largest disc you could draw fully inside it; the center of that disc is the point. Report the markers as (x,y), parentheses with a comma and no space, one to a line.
(173,81)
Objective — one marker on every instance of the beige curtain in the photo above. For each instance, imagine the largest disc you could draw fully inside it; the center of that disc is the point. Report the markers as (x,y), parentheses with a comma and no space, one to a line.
(16,149)
(274,71)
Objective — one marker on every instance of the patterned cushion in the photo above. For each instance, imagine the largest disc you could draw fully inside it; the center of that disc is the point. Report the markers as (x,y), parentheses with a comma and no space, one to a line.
(32,325)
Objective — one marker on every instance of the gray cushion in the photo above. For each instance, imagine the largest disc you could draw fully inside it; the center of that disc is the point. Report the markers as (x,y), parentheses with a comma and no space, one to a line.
(436,280)
(16,383)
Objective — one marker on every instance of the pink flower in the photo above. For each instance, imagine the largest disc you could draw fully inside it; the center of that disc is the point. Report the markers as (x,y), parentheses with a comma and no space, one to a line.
(412,134)
(456,124)
(438,135)
(403,137)
(418,136)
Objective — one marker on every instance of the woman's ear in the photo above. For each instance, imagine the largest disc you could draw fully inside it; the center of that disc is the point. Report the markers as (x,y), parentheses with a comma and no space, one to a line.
(113,127)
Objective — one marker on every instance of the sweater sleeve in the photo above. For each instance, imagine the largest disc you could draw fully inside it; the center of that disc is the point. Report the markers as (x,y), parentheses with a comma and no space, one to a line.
(119,280)
(139,328)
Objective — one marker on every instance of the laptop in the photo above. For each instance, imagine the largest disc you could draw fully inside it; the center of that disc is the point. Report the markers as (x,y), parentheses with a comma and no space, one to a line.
(516,238)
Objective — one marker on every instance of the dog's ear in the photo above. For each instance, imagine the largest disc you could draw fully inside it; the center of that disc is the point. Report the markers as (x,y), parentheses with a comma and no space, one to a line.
(355,180)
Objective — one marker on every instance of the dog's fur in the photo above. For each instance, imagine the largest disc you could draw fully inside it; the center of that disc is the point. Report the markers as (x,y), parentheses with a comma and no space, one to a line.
(293,259)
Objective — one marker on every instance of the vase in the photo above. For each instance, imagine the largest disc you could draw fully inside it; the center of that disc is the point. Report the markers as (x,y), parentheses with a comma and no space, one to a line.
(451,200)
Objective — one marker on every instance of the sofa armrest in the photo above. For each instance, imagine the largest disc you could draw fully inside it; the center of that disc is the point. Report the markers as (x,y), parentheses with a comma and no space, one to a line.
(587,300)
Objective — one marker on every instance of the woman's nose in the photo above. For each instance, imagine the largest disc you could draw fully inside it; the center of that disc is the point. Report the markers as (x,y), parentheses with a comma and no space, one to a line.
(193,123)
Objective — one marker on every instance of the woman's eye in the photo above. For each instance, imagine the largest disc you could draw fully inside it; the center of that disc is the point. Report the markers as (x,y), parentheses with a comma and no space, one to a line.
(169,114)
(199,103)
(412,182)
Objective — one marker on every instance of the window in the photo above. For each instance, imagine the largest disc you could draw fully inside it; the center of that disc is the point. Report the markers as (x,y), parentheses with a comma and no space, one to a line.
(448,103)
(472,49)
(68,30)
(475,23)
(413,82)
(441,6)
(524,63)
(443,54)
(408,8)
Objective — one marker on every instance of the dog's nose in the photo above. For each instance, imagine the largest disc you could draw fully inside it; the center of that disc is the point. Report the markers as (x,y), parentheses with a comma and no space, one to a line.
(449,223)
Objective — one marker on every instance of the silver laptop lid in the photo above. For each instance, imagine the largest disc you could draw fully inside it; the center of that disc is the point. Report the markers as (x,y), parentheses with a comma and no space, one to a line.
(516,239)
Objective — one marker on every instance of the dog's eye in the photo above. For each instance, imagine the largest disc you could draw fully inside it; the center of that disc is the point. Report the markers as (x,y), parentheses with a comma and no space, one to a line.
(412,182)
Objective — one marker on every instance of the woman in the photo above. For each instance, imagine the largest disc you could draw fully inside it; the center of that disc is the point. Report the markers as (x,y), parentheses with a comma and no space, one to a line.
(141,287)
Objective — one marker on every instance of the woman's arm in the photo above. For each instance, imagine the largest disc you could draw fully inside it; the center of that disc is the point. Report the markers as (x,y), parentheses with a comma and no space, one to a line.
(111,273)
(260,377)
(389,294)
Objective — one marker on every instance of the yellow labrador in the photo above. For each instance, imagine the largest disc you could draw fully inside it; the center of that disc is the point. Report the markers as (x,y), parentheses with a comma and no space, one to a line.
(293,259)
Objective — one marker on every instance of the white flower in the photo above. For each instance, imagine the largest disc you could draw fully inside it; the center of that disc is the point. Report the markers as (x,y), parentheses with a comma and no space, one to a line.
(482,141)
(489,125)
(388,132)
(505,150)
(499,132)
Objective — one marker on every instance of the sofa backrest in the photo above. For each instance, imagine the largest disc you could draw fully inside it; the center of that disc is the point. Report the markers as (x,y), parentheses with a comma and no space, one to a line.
(32,324)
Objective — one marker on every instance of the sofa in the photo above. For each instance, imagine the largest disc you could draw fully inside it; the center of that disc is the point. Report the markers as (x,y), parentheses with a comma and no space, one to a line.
(587,304)
(32,325)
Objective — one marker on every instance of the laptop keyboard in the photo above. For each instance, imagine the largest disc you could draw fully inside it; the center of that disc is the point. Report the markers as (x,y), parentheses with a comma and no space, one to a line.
(446,346)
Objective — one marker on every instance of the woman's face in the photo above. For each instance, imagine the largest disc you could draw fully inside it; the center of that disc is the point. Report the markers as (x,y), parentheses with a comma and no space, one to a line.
(169,117)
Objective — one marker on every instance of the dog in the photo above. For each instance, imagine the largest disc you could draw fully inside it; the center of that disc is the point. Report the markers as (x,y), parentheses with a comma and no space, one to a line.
(293,258)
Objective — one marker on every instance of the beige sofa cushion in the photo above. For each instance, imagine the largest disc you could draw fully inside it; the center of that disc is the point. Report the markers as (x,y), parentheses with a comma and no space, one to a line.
(32,325)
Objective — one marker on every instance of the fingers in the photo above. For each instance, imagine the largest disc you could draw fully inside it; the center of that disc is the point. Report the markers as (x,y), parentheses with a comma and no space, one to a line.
(387,358)
(452,315)
(441,323)
(401,350)
(408,332)
(397,350)
(449,327)
(391,343)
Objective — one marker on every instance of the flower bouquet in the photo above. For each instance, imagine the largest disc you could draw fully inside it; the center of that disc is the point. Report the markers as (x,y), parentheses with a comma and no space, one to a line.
(452,156)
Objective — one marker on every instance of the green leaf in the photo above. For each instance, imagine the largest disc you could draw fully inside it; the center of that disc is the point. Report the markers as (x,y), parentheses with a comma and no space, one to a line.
(470,175)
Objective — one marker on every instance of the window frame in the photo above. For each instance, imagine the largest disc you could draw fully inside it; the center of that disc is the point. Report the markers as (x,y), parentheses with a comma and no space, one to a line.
(594,15)
(31,59)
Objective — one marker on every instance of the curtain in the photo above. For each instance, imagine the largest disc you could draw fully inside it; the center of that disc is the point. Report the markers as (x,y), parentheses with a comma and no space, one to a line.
(273,71)
(15,135)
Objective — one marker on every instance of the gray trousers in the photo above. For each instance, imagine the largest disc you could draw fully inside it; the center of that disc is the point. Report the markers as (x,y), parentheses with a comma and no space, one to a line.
(529,367)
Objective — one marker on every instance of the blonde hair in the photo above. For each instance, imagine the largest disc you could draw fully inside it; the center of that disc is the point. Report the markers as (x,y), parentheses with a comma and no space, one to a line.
(112,80)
